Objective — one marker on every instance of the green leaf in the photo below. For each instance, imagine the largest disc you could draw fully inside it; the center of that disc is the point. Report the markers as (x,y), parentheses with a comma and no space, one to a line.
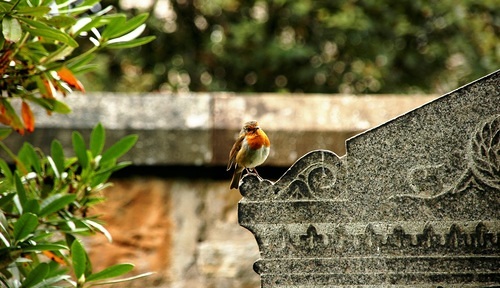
(75,64)
(131,43)
(112,282)
(25,225)
(119,148)
(85,24)
(5,6)
(5,170)
(114,167)
(52,34)
(88,2)
(40,101)
(84,69)
(6,182)
(4,132)
(52,280)
(4,234)
(23,156)
(57,152)
(33,11)
(55,203)
(100,178)
(60,21)
(34,159)
(3,222)
(6,199)
(31,206)
(97,138)
(21,192)
(131,25)
(91,201)
(60,54)
(28,152)
(75,11)
(54,167)
(115,24)
(129,36)
(43,30)
(40,236)
(101,229)
(80,149)
(110,272)
(119,26)
(44,247)
(79,259)
(36,275)
(103,174)
(59,106)
(11,29)
(35,51)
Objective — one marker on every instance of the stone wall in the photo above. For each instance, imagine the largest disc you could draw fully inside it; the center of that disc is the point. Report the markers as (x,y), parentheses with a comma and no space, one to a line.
(186,231)
(185,227)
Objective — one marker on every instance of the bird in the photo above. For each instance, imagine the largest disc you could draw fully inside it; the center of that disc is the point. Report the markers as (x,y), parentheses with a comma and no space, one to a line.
(249,151)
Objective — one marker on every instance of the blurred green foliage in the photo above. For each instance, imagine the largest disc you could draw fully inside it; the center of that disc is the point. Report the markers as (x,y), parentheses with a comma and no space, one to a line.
(348,46)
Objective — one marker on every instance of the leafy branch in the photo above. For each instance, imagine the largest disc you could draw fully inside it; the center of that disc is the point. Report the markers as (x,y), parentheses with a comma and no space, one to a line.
(40,52)
(44,198)
(44,202)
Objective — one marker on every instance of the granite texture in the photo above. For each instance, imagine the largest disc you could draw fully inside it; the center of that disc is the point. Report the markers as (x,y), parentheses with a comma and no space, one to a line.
(414,202)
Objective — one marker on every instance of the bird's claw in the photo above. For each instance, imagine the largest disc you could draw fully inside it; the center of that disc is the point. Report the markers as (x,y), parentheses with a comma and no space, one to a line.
(254,171)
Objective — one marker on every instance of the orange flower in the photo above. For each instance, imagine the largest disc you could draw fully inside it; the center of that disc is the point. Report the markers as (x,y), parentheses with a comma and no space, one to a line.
(67,76)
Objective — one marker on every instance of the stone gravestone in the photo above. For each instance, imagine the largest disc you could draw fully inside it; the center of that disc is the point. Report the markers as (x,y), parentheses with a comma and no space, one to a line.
(414,202)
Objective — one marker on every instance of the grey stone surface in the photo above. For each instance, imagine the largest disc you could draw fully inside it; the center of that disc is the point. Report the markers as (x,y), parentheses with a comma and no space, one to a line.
(199,128)
(414,202)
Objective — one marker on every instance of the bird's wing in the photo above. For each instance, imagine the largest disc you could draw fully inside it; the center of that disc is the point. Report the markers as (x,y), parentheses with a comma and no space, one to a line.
(234,151)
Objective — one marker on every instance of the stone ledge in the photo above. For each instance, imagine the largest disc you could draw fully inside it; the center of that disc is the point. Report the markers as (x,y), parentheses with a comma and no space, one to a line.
(199,128)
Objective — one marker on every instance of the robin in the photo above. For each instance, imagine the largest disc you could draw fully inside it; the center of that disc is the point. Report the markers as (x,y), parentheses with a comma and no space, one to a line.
(249,151)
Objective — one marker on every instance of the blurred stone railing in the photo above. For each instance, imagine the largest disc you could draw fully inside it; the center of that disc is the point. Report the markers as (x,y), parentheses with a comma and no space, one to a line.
(199,128)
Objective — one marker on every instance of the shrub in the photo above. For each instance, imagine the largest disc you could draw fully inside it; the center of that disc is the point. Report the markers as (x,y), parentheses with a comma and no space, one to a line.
(44,203)
(44,198)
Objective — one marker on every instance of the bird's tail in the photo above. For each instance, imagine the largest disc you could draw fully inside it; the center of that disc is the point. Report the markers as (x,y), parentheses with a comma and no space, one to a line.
(236,179)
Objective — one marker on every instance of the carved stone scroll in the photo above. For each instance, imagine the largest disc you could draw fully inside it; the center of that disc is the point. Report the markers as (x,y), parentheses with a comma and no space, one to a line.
(414,202)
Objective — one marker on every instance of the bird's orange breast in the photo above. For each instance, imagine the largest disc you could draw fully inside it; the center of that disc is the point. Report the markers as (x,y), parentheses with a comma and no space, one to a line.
(257,140)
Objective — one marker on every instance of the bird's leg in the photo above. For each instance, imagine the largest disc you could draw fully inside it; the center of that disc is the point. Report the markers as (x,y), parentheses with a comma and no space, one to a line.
(253,170)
